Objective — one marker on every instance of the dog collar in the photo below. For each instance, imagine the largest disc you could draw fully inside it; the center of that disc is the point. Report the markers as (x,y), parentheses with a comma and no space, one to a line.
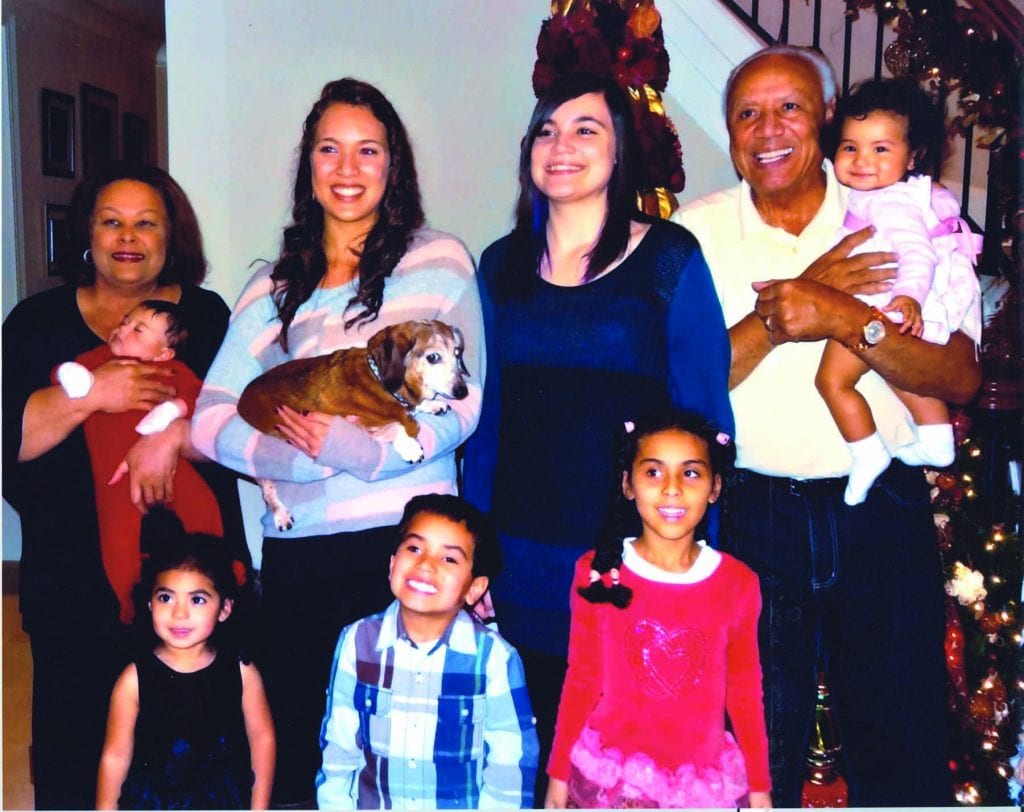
(376,374)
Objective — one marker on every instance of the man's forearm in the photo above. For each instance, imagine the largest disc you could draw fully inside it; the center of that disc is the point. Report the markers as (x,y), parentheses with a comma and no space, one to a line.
(950,372)
(750,343)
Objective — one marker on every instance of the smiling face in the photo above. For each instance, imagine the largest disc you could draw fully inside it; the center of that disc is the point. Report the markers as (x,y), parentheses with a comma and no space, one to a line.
(873,151)
(129,234)
(775,112)
(432,575)
(573,153)
(349,163)
(186,608)
(142,334)
(672,483)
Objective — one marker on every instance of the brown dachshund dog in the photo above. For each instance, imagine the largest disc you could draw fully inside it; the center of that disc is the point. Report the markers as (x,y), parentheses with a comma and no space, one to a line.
(404,369)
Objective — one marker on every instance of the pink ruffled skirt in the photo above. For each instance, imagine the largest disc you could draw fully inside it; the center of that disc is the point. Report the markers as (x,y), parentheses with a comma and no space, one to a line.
(603,778)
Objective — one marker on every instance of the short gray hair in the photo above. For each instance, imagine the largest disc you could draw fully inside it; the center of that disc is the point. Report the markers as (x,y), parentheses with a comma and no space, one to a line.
(815,59)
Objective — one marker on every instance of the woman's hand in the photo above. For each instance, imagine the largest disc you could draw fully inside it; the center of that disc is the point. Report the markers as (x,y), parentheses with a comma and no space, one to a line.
(122,384)
(760,800)
(484,607)
(151,464)
(558,794)
(304,431)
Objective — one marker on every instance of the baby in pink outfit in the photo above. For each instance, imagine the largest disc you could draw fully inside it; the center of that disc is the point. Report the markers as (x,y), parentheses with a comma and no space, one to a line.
(885,127)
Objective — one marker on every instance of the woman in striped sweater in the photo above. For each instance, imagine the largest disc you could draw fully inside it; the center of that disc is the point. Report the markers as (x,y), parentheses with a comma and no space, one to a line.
(356,259)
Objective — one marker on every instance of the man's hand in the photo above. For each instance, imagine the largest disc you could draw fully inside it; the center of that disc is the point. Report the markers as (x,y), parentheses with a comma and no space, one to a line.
(803,310)
(858,274)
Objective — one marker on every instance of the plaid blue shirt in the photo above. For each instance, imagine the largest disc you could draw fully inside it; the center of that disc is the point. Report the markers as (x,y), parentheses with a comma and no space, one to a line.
(406,727)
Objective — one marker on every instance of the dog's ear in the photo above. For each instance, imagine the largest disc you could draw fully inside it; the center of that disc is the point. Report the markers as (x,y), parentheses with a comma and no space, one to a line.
(388,348)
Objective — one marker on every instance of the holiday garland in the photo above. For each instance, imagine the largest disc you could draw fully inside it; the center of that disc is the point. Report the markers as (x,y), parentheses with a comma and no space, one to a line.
(621,39)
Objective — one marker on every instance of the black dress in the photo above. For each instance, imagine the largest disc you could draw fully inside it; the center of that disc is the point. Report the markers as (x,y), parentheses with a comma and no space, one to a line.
(191,751)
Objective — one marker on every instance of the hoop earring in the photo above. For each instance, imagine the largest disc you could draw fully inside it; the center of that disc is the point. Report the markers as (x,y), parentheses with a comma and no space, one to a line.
(87,256)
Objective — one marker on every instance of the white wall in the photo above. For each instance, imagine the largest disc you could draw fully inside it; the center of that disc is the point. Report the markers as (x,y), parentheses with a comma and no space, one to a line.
(242,74)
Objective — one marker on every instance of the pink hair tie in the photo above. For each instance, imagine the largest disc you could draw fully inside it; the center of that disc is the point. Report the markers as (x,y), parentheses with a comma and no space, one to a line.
(595,576)
(722,438)
(615,576)
(629,426)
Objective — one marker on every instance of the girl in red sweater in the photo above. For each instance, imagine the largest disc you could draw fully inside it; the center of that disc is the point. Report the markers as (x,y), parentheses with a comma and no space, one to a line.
(663,643)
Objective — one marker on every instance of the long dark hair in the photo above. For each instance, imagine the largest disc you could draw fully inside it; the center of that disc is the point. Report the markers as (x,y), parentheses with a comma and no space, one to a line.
(529,237)
(608,550)
(185,263)
(302,263)
(901,97)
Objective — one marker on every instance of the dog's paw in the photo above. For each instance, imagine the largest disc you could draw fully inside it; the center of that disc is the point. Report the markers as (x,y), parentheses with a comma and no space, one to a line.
(434,407)
(408,448)
(283,518)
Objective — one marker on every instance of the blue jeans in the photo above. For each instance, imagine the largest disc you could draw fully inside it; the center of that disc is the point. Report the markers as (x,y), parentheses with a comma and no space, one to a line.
(859,589)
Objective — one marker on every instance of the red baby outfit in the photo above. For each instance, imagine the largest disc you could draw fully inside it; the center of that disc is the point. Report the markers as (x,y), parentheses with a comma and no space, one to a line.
(109,437)
(644,702)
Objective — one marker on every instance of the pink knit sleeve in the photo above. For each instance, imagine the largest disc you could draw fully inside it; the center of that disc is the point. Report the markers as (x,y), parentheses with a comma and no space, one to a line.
(898,216)
(582,687)
(744,696)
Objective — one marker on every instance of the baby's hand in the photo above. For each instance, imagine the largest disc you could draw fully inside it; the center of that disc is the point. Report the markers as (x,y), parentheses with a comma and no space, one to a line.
(760,800)
(907,307)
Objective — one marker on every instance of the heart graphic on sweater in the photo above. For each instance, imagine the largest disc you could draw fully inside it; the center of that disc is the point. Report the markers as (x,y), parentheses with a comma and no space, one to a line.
(665,660)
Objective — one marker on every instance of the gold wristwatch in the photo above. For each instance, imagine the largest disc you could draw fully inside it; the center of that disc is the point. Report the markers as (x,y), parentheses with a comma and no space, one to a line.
(874,331)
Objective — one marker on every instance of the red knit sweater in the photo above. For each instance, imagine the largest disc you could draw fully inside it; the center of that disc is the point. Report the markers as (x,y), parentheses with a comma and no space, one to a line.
(659,676)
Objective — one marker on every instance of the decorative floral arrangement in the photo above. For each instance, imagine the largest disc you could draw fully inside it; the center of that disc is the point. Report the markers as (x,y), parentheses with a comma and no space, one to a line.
(623,40)
(975,52)
(982,561)
(966,585)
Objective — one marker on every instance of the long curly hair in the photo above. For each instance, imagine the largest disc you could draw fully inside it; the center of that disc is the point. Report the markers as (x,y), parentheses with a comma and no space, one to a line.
(185,262)
(303,263)
(529,236)
(623,514)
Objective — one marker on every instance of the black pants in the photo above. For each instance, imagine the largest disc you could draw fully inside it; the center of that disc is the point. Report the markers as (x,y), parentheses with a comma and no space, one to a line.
(545,674)
(312,588)
(73,674)
(860,589)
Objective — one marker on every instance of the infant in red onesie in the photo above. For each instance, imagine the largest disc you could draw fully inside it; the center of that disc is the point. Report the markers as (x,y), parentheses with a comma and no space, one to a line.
(150,332)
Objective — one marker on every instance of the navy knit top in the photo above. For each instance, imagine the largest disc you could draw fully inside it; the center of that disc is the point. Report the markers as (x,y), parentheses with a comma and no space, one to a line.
(566,366)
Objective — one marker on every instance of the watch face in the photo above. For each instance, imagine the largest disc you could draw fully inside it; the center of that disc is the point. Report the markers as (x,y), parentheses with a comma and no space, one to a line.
(874,331)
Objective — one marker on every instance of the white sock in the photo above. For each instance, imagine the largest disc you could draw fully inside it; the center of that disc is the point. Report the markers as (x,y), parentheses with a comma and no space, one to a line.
(934,446)
(870,458)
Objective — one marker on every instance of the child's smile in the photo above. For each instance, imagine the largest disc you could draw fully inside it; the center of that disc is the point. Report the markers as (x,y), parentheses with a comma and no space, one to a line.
(432,572)
(672,483)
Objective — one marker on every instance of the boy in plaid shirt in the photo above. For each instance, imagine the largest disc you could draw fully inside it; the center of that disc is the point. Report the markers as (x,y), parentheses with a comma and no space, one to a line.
(427,708)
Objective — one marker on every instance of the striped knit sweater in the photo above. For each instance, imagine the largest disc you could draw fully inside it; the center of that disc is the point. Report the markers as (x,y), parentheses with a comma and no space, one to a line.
(356,482)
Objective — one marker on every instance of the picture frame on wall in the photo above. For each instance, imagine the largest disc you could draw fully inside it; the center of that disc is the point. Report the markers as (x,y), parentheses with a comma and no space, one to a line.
(99,126)
(58,131)
(57,236)
(135,138)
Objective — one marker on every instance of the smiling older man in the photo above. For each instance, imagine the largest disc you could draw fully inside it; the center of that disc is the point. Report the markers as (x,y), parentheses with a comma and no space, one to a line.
(856,588)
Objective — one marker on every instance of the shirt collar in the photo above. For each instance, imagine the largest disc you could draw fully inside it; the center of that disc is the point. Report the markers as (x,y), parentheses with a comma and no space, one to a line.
(828,217)
(460,635)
